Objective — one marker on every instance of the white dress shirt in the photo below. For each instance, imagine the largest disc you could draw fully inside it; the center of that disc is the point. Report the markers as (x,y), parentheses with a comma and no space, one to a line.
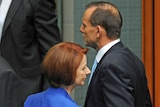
(4,6)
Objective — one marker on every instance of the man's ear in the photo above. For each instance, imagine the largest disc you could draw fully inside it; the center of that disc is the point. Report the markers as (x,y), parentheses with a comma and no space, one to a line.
(99,31)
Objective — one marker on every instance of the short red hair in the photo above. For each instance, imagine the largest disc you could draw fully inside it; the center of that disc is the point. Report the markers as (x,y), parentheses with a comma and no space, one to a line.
(61,62)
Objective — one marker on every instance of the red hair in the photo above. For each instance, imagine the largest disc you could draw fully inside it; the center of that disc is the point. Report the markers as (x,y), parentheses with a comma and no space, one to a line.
(61,62)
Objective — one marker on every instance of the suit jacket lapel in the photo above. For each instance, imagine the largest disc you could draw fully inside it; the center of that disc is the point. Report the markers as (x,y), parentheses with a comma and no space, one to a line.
(14,6)
(115,47)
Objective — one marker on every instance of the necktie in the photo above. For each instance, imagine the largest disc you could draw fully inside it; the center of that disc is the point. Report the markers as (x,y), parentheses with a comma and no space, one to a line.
(93,69)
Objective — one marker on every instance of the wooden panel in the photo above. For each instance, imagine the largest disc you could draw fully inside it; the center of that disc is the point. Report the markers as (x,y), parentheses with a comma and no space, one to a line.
(147,41)
(157,51)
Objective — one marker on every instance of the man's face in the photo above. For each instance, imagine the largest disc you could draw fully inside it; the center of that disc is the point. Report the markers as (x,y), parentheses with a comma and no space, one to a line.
(88,31)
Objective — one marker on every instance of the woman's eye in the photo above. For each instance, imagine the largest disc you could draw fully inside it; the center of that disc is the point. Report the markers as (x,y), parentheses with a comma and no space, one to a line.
(84,68)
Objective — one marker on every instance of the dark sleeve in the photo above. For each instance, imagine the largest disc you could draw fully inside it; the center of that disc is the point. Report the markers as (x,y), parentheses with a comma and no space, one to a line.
(47,31)
(148,102)
(8,80)
(4,65)
(117,87)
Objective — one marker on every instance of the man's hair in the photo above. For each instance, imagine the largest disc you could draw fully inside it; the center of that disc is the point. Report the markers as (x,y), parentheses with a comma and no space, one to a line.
(108,16)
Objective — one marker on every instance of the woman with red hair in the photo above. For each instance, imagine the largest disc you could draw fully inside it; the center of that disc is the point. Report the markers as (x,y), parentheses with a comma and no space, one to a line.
(65,67)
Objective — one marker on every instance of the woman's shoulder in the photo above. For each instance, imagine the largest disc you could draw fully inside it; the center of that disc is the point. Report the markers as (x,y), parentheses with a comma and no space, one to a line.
(50,98)
(60,98)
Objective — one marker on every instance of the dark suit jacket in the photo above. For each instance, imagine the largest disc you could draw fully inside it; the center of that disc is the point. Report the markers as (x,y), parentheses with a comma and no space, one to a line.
(30,29)
(7,76)
(118,81)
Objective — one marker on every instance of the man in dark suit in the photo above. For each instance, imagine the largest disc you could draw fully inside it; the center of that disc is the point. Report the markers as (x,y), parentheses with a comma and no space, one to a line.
(119,79)
(28,30)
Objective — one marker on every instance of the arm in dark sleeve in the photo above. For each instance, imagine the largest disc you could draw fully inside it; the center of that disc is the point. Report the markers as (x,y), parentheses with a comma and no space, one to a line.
(47,31)
(117,87)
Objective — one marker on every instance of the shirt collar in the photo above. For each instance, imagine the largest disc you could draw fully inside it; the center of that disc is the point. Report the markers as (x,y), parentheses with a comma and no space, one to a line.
(104,49)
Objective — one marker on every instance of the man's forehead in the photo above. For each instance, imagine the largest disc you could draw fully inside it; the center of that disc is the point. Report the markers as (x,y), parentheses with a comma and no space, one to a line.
(105,7)
(88,12)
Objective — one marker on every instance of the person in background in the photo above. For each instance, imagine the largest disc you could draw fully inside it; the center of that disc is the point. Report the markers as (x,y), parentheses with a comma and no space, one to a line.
(28,28)
(65,67)
(119,78)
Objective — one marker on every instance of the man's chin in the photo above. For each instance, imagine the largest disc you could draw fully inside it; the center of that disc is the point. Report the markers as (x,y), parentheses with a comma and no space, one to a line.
(85,43)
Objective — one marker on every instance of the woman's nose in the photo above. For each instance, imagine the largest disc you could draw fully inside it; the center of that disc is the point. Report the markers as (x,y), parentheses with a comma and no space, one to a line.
(88,71)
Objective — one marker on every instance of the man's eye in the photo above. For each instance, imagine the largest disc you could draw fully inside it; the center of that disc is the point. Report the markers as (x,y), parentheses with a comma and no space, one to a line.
(83,25)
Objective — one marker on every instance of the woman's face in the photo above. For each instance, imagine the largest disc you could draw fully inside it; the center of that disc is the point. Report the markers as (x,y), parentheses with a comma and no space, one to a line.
(82,72)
